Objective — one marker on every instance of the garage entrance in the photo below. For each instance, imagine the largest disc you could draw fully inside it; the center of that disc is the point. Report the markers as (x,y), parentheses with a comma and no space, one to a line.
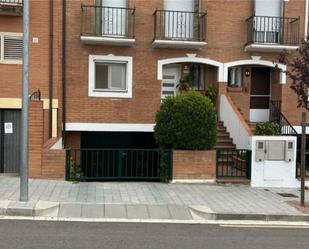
(10,141)
(117,156)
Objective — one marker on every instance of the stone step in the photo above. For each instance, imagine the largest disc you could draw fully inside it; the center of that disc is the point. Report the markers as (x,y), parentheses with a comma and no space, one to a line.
(234,180)
(230,146)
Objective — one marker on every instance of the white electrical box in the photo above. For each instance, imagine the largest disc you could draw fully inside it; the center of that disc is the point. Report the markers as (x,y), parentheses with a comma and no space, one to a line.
(289,151)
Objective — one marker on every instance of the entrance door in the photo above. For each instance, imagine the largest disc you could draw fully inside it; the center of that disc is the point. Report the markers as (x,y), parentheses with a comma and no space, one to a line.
(10,141)
(260,94)
(179,19)
(114,16)
(171,77)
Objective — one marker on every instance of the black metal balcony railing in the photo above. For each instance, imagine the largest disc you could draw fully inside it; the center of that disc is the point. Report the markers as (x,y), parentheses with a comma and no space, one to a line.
(180,25)
(11,2)
(273,30)
(107,21)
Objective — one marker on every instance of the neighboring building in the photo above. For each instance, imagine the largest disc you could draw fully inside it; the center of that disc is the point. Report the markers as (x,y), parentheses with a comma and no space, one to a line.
(122,57)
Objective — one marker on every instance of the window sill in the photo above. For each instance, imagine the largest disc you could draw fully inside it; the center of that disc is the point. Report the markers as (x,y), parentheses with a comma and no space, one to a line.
(109,91)
(11,62)
(110,94)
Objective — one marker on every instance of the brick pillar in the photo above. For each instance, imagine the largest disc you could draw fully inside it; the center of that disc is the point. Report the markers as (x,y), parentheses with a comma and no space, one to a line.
(36,138)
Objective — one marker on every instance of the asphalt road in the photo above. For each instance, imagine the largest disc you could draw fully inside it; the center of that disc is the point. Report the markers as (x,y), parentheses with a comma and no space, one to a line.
(76,235)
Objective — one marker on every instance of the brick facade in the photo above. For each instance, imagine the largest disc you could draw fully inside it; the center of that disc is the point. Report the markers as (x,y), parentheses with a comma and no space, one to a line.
(226,37)
(199,165)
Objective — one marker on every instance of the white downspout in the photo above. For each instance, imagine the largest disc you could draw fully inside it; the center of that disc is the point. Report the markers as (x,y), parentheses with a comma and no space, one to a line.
(306,20)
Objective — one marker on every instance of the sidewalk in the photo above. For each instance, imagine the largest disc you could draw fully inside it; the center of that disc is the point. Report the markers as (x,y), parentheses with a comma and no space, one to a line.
(148,201)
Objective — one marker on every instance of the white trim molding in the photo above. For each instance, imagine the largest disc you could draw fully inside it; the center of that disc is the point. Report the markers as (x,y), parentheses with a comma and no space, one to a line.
(258,62)
(269,48)
(117,127)
(128,60)
(193,59)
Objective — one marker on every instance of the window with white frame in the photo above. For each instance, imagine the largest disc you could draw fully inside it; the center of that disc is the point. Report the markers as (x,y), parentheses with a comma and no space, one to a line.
(11,48)
(235,77)
(110,76)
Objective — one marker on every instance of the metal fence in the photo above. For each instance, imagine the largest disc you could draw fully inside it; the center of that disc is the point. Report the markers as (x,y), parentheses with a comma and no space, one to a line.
(107,21)
(276,116)
(273,30)
(180,25)
(233,163)
(117,164)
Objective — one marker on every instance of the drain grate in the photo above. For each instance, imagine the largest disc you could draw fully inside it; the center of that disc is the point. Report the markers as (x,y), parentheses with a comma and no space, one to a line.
(287,195)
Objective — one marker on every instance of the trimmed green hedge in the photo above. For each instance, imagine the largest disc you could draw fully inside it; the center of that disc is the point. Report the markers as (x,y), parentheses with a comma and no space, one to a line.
(187,121)
(266,129)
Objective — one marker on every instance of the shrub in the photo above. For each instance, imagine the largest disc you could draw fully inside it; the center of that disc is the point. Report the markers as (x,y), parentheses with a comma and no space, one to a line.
(266,129)
(212,93)
(186,121)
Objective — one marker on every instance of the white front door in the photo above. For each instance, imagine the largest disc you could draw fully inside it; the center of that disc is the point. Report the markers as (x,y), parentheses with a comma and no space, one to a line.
(114,16)
(171,77)
(179,19)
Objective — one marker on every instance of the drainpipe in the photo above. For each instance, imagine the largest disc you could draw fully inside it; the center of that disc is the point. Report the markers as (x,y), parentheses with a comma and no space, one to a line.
(51,59)
(63,72)
(306,20)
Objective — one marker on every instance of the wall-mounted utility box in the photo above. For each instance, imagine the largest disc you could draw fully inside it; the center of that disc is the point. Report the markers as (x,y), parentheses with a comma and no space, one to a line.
(274,150)
(273,161)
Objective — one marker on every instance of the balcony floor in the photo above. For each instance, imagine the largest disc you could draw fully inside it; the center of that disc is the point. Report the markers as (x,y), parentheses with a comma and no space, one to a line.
(178,44)
(112,41)
(276,48)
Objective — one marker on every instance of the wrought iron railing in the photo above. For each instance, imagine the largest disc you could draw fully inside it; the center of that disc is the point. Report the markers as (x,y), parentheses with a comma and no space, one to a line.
(233,163)
(180,25)
(107,21)
(11,2)
(273,30)
(116,164)
(36,95)
(276,116)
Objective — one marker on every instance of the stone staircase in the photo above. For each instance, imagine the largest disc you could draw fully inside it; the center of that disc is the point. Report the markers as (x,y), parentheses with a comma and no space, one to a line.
(224,141)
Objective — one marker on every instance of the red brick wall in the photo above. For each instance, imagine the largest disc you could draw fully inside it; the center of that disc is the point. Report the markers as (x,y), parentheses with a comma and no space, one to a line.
(36,130)
(189,164)
(53,163)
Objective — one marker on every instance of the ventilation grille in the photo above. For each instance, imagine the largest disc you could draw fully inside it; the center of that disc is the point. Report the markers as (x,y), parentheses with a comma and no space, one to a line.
(13,47)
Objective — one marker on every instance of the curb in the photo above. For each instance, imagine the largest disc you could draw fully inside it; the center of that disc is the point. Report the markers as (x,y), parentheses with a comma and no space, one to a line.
(28,209)
(209,215)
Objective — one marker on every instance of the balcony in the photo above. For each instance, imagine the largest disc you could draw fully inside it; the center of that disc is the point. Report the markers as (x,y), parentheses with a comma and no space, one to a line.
(11,7)
(179,29)
(107,25)
(272,34)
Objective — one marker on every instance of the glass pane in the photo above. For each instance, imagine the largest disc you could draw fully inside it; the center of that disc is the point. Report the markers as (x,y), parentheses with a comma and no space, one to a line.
(101,76)
(118,76)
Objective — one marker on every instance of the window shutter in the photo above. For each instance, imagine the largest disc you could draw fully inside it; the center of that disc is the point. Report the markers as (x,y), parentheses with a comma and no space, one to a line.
(13,47)
(268,7)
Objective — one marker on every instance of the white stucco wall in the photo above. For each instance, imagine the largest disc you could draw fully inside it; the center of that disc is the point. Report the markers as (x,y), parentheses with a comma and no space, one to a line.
(234,126)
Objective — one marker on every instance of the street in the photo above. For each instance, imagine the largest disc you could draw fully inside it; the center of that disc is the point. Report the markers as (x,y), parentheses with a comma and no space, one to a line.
(15,234)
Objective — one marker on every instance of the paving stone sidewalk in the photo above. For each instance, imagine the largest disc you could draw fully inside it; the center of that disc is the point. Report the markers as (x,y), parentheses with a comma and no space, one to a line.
(151,200)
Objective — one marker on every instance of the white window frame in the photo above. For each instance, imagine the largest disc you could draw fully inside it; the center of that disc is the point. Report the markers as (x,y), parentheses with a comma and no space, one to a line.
(110,93)
(2,60)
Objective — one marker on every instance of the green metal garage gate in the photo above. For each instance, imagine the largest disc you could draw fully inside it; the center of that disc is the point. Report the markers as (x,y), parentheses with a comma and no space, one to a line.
(10,140)
(117,156)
